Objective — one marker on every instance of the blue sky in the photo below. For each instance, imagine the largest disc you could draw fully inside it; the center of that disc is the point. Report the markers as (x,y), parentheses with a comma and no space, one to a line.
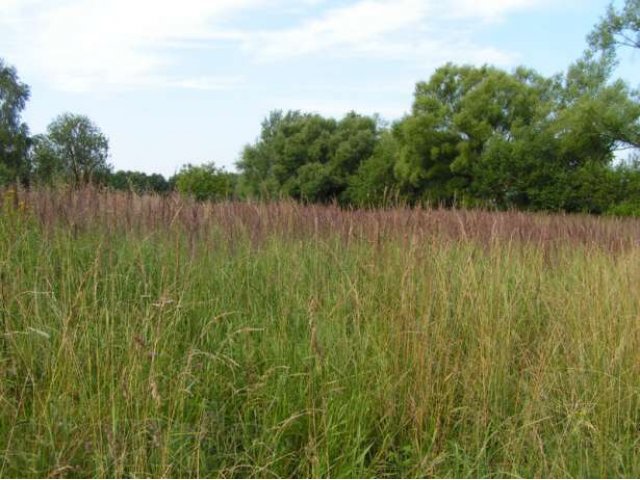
(189,81)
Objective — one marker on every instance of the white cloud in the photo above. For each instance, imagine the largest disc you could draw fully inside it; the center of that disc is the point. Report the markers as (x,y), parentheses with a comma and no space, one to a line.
(350,27)
(202,83)
(391,29)
(88,45)
(490,10)
(10,8)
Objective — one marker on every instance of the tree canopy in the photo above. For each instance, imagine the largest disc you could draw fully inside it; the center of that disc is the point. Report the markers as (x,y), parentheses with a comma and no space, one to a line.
(204,182)
(14,134)
(619,28)
(307,156)
(74,149)
(475,136)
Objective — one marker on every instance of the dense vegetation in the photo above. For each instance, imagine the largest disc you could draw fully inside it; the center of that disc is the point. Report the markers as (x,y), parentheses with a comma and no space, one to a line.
(147,333)
(161,337)
(476,136)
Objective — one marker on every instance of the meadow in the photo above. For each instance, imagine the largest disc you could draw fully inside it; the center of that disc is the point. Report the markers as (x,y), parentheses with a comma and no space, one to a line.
(149,336)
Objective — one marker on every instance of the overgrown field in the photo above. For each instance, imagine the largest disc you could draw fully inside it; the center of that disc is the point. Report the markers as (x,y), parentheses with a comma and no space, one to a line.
(148,336)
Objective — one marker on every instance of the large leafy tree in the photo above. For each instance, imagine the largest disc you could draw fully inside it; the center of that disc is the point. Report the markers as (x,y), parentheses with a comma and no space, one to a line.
(73,149)
(353,142)
(14,134)
(514,139)
(307,156)
(569,139)
(427,138)
(456,115)
(596,122)
(287,142)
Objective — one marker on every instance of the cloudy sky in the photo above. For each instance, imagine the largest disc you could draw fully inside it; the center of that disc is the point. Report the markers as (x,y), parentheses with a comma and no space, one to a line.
(189,81)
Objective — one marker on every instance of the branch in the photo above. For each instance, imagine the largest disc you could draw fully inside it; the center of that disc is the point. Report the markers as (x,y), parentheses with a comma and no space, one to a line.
(628,41)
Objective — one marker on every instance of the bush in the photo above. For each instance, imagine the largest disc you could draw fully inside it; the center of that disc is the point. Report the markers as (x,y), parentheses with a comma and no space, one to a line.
(205,182)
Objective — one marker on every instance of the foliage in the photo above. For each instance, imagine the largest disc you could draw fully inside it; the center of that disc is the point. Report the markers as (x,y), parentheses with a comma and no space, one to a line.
(596,117)
(48,167)
(514,139)
(627,189)
(204,182)
(374,183)
(454,116)
(139,182)
(14,134)
(74,149)
(618,28)
(306,156)
(287,142)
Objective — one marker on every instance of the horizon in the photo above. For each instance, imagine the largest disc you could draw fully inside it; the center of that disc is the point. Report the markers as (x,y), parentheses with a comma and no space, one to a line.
(171,84)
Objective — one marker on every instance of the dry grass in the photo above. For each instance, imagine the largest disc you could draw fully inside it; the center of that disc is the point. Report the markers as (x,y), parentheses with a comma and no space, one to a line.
(92,208)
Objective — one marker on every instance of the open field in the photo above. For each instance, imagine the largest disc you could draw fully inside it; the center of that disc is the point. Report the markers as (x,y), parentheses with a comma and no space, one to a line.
(150,336)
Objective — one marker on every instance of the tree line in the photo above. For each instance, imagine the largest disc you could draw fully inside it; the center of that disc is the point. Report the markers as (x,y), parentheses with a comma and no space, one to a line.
(475,136)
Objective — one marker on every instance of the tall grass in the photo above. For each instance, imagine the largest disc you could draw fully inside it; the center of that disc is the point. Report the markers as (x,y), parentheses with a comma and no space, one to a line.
(147,336)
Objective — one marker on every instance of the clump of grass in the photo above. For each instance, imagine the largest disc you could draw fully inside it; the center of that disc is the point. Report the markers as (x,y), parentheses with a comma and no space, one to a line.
(147,336)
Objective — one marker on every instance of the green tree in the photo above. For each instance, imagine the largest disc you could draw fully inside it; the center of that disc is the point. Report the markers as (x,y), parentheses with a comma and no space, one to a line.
(314,182)
(306,156)
(287,142)
(14,134)
(597,123)
(618,28)
(627,188)
(455,116)
(74,149)
(482,135)
(353,143)
(48,167)
(205,182)
(374,183)
(139,182)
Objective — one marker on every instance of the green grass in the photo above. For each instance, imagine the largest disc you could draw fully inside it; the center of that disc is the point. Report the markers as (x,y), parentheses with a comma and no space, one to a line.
(129,353)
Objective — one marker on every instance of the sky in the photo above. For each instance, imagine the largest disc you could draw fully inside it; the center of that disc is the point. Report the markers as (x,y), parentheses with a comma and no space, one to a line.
(190,81)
